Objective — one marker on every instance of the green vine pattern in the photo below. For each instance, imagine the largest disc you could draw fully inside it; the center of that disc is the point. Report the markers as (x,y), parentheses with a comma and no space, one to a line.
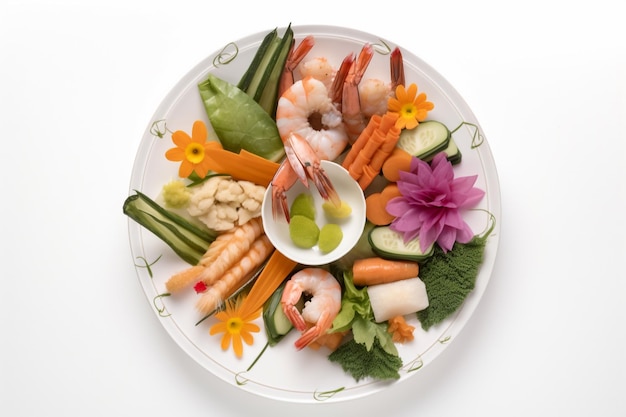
(414,365)
(445,340)
(477,137)
(160,307)
(382,48)
(147,265)
(159,128)
(226,55)
(240,380)
(325,395)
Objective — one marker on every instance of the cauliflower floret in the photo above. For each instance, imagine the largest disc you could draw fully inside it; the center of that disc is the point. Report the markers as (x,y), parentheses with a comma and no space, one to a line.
(220,217)
(222,202)
(229,191)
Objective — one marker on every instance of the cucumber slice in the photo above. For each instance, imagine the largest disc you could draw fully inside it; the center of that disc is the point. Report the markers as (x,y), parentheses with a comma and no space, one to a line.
(277,325)
(282,325)
(452,151)
(389,244)
(426,140)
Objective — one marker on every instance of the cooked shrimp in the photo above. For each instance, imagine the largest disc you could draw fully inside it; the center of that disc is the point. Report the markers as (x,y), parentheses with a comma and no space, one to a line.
(374,93)
(318,68)
(336,89)
(311,129)
(306,109)
(238,245)
(224,252)
(236,275)
(296,54)
(301,163)
(373,96)
(350,102)
(319,311)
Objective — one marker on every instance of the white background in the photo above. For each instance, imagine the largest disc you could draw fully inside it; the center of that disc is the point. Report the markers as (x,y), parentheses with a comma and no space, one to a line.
(79,82)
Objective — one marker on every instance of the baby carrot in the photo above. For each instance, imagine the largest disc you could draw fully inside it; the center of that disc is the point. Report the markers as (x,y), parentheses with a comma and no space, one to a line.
(375,270)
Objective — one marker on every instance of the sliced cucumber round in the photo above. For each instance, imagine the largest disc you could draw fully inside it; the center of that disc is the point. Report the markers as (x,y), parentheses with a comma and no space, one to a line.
(427,139)
(277,324)
(389,244)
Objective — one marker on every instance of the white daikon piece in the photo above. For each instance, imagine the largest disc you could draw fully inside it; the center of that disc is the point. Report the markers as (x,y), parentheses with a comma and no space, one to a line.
(397,298)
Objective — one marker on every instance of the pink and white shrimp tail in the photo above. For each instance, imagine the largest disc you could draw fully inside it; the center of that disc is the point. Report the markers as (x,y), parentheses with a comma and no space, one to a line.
(336,89)
(320,311)
(283,180)
(304,164)
(296,55)
(351,103)
(396,64)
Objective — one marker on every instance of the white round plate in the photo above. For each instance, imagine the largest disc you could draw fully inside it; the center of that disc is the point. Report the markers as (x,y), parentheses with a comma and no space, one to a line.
(281,372)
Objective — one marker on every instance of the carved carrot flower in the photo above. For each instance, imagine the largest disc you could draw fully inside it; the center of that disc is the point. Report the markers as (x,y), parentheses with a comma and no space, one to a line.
(411,107)
(236,328)
(400,330)
(191,151)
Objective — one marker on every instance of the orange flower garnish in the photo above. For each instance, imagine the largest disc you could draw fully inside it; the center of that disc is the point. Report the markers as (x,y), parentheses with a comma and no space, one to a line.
(191,151)
(411,107)
(236,328)
(401,331)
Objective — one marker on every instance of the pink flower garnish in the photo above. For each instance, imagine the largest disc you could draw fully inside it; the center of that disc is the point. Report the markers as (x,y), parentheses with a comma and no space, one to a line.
(430,205)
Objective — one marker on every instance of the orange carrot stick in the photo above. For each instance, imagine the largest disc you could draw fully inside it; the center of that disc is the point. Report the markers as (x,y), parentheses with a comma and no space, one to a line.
(388,120)
(386,148)
(368,175)
(356,169)
(367,155)
(243,166)
(364,156)
(360,142)
(274,273)
(375,270)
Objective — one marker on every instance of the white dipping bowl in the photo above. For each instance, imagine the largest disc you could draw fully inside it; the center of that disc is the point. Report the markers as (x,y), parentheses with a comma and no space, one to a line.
(277,230)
